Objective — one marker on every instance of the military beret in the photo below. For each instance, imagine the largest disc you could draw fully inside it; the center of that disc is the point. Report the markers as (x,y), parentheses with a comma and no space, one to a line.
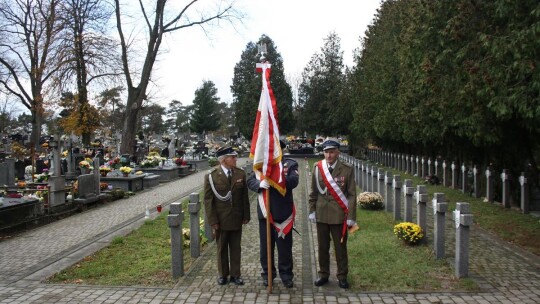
(227,150)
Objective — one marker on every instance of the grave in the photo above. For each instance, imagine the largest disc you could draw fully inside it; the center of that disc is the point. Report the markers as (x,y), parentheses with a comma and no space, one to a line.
(87,185)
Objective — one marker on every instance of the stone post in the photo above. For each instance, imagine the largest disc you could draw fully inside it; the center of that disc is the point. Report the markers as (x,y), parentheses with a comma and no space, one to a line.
(476,192)
(444,174)
(174,219)
(417,166)
(368,179)
(489,185)
(464,178)
(412,165)
(357,173)
(454,175)
(463,220)
(364,179)
(423,161)
(389,207)
(407,164)
(194,207)
(429,171)
(524,193)
(505,189)
(408,192)
(436,167)
(421,202)
(10,174)
(397,197)
(374,181)
(439,213)
(97,176)
(380,184)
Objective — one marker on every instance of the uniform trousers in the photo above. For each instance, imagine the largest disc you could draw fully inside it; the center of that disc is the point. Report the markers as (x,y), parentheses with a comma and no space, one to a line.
(325,233)
(229,252)
(284,248)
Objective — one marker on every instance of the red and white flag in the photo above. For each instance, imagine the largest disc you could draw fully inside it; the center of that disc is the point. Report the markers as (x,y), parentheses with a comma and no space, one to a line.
(265,149)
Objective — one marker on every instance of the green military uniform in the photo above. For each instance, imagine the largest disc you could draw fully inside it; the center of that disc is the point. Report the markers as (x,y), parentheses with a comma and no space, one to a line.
(229,212)
(330,217)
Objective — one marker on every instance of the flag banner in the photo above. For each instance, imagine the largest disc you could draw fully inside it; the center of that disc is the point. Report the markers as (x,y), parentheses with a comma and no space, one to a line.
(265,149)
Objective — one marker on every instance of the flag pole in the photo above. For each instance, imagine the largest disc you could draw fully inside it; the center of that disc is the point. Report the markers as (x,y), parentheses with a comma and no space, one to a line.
(269,259)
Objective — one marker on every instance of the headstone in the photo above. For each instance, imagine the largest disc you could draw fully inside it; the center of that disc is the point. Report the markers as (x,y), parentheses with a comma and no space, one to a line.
(454,175)
(380,184)
(505,189)
(489,185)
(397,197)
(464,178)
(389,206)
(194,207)
(439,213)
(174,220)
(463,220)
(57,191)
(408,192)
(417,165)
(524,198)
(423,161)
(436,167)
(374,181)
(445,174)
(421,201)
(429,167)
(476,192)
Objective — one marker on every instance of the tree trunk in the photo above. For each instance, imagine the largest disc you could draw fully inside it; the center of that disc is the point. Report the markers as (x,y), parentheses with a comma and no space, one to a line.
(130,121)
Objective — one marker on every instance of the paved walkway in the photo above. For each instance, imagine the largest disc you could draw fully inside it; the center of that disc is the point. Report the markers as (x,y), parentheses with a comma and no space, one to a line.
(505,273)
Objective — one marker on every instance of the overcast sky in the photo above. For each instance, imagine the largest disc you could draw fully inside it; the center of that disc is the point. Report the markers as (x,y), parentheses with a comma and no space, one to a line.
(297,27)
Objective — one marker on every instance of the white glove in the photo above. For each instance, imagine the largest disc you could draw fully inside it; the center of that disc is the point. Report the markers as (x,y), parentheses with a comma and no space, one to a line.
(264,184)
(312,217)
(350,223)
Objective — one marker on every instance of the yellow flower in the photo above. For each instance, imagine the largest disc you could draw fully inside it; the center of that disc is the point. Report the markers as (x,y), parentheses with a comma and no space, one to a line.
(410,233)
(125,169)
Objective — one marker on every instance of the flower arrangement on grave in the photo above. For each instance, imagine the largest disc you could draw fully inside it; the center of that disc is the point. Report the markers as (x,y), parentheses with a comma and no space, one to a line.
(186,232)
(179,161)
(125,170)
(45,144)
(139,173)
(43,177)
(408,232)
(65,153)
(370,200)
(151,160)
(103,169)
(18,151)
(85,164)
(114,163)
(103,186)
(75,189)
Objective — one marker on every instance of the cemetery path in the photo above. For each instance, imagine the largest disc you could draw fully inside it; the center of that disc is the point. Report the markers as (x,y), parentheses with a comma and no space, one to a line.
(506,273)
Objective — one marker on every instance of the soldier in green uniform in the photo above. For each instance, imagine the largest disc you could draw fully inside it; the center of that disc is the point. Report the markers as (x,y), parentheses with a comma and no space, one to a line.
(226,206)
(332,207)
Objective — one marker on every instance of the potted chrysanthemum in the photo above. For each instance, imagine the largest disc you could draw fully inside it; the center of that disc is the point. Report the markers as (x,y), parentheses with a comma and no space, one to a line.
(104,170)
(409,233)
(125,170)
(370,200)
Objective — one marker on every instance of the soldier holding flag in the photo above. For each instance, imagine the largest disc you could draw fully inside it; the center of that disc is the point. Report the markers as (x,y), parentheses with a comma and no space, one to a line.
(281,216)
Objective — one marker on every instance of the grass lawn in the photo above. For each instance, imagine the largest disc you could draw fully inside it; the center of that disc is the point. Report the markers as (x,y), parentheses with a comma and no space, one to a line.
(378,261)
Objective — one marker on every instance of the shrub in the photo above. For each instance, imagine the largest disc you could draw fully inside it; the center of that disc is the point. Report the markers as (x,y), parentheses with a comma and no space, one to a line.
(370,201)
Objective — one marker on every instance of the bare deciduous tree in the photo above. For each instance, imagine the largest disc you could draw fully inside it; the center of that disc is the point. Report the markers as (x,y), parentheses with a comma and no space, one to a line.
(28,46)
(162,18)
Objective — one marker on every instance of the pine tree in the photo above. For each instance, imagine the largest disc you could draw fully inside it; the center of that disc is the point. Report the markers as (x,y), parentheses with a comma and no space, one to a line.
(205,116)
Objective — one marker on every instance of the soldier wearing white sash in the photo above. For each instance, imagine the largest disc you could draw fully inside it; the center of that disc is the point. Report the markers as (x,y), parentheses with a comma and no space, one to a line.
(332,207)
(226,205)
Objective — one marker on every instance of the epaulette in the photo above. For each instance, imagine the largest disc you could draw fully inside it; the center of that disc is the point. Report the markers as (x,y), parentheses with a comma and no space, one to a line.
(212,170)
(239,169)
(346,164)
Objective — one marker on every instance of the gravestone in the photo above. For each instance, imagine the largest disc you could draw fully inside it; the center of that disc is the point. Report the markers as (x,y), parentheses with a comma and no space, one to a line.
(397,197)
(408,192)
(524,197)
(505,189)
(439,213)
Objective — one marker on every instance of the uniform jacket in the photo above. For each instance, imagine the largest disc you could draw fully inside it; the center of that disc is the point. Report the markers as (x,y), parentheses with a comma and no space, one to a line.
(228,214)
(281,207)
(326,209)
